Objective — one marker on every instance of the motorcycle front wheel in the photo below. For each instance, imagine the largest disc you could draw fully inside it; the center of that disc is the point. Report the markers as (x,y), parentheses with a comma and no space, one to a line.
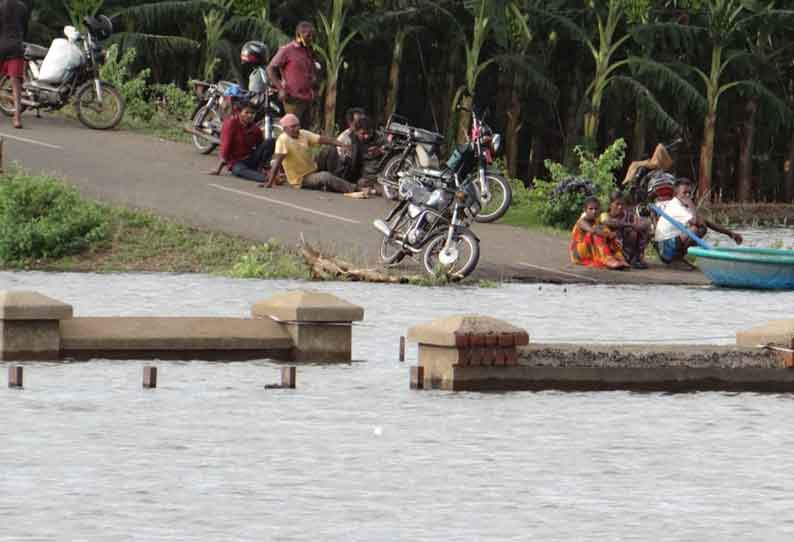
(391,253)
(460,259)
(99,115)
(499,199)
(202,121)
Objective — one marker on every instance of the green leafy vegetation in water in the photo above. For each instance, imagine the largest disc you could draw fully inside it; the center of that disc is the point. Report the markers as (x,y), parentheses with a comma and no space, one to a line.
(270,261)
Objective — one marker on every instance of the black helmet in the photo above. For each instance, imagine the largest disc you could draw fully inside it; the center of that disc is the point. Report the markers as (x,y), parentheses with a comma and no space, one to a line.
(254,53)
(100,27)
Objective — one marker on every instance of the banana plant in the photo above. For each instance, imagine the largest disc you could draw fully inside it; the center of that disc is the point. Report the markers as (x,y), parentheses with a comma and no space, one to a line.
(333,36)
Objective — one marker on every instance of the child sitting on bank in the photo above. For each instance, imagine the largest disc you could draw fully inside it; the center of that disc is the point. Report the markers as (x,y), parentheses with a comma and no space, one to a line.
(592,244)
(632,231)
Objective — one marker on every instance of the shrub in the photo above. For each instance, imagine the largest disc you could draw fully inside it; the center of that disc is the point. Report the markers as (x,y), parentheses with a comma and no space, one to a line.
(164,104)
(561,211)
(42,218)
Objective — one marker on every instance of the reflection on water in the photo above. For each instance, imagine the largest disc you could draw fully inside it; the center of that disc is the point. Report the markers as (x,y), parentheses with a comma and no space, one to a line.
(352,454)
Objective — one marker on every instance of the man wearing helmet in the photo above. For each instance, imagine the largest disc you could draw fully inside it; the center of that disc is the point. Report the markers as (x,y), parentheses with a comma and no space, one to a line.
(293,72)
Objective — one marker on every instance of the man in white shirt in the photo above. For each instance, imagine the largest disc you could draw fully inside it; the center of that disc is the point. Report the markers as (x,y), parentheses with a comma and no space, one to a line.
(671,242)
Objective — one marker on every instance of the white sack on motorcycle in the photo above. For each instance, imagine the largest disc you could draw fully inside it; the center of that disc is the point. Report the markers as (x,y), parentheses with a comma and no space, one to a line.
(62,57)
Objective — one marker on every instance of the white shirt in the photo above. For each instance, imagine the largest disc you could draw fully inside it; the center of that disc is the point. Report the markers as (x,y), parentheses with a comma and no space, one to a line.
(677,210)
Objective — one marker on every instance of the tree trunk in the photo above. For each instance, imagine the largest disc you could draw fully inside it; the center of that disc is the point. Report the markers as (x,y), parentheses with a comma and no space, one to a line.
(394,72)
(572,123)
(329,114)
(638,140)
(464,119)
(536,156)
(788,186)
(744,170)
(514,125)
(706,154)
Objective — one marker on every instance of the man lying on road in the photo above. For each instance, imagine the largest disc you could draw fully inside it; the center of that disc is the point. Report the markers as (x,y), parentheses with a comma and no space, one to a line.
(294,154)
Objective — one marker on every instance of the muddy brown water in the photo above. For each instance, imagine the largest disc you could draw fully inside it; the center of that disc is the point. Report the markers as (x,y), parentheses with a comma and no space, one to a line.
(353,454)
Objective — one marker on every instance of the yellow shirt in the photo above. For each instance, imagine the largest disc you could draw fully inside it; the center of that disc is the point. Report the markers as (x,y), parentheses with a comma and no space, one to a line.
(298,160)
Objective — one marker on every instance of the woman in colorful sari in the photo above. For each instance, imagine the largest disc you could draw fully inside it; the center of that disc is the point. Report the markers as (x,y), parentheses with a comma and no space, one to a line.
(592,244)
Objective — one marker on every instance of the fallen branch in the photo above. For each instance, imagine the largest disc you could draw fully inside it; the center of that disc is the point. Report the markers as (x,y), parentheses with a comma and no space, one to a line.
(326,267)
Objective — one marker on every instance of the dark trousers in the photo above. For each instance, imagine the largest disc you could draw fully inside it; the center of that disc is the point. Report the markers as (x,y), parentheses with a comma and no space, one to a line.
(324,180)
(251,167)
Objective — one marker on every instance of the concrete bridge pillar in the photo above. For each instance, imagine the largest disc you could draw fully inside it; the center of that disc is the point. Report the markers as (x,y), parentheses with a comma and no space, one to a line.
(476,345)
(30,325)
(320,324)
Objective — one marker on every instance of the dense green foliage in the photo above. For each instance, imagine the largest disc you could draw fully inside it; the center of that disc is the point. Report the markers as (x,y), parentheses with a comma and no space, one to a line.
(555,73)
(562,211)
(155,106)
(42,218)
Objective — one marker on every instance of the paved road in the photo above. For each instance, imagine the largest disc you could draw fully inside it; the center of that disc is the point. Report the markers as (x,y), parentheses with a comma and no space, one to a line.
(143,172)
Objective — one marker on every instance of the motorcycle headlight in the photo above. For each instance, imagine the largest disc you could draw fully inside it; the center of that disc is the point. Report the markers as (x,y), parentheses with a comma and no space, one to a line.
(496,143)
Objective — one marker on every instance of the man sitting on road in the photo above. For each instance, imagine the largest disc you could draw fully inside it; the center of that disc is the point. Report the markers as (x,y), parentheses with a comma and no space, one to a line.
(672,243)
(243,148)
(293,153)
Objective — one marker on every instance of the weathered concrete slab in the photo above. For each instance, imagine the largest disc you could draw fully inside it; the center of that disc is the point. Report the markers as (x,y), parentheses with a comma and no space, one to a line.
(640,367)
(668,379)
(447,331)
(300,306)
(173,338)
(776,332)
(27,305)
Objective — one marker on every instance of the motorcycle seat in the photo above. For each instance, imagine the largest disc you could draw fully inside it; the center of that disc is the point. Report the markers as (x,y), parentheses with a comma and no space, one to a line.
(426,136)
(35,52)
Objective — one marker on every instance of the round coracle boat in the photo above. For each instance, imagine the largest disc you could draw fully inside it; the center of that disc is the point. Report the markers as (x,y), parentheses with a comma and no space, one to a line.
(747,267)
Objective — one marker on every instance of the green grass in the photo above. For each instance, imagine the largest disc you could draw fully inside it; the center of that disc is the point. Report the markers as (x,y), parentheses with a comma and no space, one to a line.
(113,239)
(525,217)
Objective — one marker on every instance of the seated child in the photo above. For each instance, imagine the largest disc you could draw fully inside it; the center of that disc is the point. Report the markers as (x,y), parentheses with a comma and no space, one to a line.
(592,244)
(632,231)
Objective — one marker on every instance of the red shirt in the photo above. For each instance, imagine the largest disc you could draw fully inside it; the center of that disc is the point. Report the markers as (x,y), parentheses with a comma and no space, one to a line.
(296,64)
(238,141)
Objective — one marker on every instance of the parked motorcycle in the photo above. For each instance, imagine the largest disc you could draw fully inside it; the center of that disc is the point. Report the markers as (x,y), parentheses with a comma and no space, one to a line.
(433,216)
(215,101)
(411,147)
(648,179)
(98,104)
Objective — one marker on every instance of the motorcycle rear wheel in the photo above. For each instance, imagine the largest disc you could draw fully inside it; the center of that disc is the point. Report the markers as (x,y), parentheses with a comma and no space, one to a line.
(201,117)
(7,98)
(466,244)
(499,201)
(389,179)
(95,114)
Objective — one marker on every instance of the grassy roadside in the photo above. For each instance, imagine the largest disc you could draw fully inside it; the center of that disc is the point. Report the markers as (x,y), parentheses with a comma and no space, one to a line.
(45,225)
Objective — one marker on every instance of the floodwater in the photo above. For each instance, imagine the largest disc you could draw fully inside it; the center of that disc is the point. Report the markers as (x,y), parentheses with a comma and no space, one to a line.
(353,454)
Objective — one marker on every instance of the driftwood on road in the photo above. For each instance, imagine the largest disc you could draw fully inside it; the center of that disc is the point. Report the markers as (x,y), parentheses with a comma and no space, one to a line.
(328,267)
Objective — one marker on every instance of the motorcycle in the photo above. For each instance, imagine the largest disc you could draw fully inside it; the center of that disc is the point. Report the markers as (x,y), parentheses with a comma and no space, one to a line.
(410,147)
(433,215)
(98,104)
(649,179)
(207,118)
